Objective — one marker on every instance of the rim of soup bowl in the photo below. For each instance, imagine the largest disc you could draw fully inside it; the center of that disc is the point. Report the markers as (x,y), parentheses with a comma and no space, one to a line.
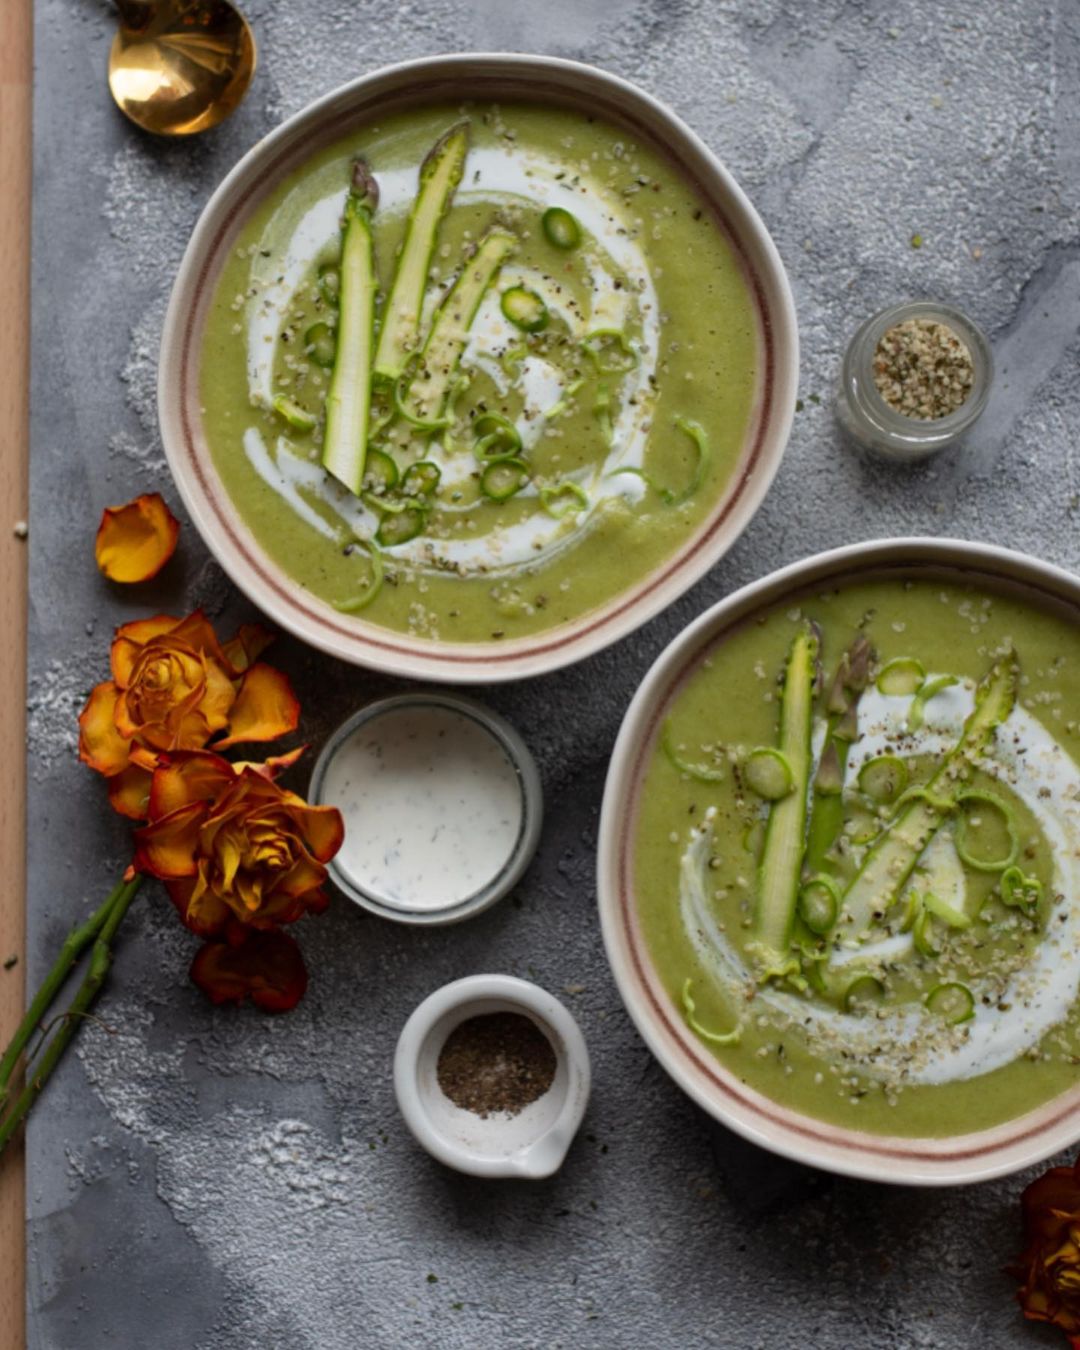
(561,83)
(939,1161)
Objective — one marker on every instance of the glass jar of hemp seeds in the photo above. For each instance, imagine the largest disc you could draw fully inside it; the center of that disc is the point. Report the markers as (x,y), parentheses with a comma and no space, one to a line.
(914,379)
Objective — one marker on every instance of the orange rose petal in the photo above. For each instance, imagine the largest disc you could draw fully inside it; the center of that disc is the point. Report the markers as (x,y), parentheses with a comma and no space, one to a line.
(242,651)
(186,696)
(265,708)
(218,702)
(277,911)
(235,933)
(284,908)
(267,968)
(166,847)
(145,758)
(304,875)
(179,892)
(142,630)
(129,640)
(125,723)
(188,776)
(323,829)
(129,792)
(273,765)
(316,902)
(196,633)
(191,732)
(135,541)
(122,658)
(203,914)
(100,744)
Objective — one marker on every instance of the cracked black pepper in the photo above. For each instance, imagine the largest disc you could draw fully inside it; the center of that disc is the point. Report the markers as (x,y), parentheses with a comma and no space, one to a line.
(497,1062)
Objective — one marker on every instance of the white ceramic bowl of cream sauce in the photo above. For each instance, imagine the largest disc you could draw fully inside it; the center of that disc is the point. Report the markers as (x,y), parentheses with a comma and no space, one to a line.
(442,806)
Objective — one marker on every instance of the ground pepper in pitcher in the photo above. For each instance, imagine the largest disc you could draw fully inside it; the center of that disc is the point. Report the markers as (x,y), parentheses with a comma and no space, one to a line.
(496,1062)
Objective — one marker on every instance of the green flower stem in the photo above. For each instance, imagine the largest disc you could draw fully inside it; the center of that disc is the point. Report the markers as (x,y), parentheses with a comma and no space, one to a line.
(75,944)
(100,930)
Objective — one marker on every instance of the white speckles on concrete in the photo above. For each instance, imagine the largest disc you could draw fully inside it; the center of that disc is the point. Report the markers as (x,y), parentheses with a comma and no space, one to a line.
(139,370)
(212,1179)
(149,214)
(704,69)
(56,694)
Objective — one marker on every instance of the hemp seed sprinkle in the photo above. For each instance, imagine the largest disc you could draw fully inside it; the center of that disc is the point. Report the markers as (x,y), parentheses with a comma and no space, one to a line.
(923,369)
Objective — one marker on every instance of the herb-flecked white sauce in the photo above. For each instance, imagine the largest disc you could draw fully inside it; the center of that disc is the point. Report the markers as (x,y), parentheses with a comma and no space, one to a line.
(432,803)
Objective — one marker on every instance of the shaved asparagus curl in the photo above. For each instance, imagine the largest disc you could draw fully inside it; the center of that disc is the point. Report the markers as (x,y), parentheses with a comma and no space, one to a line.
(893,856)
(423,401)
(440,175)
(348,400)
(827,815)
(785,835)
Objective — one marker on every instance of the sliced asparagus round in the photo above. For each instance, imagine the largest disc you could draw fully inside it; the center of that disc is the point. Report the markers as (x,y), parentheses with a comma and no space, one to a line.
(560,228)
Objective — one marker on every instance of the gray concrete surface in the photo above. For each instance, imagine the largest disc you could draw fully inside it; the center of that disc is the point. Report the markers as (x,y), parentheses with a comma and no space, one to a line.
(217,1180)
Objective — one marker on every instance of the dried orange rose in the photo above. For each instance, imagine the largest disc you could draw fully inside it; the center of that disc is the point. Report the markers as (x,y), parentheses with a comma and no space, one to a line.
(266,967)
(135,541)
(1049,1266)
(175,687)
(234,849)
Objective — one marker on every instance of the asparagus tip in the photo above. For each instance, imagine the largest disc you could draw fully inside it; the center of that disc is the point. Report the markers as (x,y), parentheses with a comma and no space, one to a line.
(815,639)
(460,130)
(830,776)
(847,729)
(860,655)
(364,186)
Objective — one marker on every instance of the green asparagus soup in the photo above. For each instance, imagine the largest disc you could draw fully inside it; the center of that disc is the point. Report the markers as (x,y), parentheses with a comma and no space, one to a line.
(473,371)
(857,856)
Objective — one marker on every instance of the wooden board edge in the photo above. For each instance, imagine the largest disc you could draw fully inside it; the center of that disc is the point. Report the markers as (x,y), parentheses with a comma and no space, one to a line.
(16,74)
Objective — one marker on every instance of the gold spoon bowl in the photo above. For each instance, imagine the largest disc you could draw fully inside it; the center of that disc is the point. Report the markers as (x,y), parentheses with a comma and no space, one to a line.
(178,67)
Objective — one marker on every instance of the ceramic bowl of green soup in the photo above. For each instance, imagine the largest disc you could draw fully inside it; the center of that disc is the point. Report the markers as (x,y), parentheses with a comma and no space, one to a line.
(474,365)
(839,866)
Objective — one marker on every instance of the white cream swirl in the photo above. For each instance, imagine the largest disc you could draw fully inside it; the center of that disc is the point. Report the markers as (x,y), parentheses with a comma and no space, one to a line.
(500,177)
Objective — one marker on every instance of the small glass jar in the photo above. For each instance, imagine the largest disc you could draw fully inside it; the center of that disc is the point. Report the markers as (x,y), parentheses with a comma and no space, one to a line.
(872,423)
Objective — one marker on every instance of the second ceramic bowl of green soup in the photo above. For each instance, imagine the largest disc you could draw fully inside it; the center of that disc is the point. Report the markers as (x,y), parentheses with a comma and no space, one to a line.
(839,865)
(474,365)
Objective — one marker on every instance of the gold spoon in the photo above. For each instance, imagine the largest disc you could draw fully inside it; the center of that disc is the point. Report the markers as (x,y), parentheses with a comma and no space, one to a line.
(180,66)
